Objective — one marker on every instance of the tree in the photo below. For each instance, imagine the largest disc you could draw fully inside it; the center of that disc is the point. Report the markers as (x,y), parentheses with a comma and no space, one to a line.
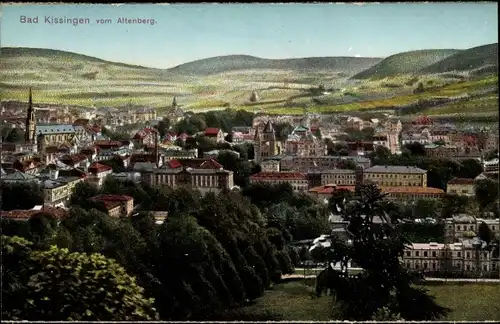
(486,192)
(16,135)
(21,195)
(419,88)
(116,163)
(453,204)
(15,254)
(381,153)
(65,286)
(415,148)
(485,233)
(426,208)
(163,126)
(82,193)
(377,249)
(346,164)
(469,168)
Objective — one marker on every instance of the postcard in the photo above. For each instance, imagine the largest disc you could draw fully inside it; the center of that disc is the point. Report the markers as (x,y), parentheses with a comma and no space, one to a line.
(250,162)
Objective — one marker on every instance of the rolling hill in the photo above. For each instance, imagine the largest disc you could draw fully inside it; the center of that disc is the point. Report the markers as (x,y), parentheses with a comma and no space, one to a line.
(405,63)
(479,60)
(221,64)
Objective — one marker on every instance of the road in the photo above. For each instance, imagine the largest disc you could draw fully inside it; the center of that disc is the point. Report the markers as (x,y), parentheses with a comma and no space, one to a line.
(464,280)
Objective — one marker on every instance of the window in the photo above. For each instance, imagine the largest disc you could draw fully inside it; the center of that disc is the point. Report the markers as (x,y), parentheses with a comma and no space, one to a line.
(425,265)
(468,267)
(433,266)
(417,253)
(417,266)
(433,254)
(459,254)
(485,267)
(408,253)
(468,255)
(471,227)
(458,227)
(425,253)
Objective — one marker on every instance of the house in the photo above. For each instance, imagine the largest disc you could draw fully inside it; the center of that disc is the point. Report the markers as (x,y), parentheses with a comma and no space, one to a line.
(205,175)
(461,186)
(214,135)
(464,257)
(116,205)
(342,177)
(58,191)
(491,165)
(76,161)
(270,165)
(146,136)
(457,226)
(19,177)
(98,172)
(25,214)
(390,176)
(297,180)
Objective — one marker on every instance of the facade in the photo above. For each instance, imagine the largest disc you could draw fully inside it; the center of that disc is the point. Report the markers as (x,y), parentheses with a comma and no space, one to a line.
(461,186)
(465,257)
(270,165)
(98,172)
(457,227)
(297,180)
(491,166)
(205,175)
(341,177)
(58,191)
(392,176)
(146,136)
(214,135)
(116,205)
(303,143)
(265,143)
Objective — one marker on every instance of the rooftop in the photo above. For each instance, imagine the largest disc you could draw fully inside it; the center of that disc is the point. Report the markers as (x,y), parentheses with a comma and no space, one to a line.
(278,176)
(394,169)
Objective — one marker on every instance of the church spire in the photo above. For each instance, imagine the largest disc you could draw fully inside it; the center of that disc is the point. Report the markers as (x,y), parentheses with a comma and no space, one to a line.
(30,122)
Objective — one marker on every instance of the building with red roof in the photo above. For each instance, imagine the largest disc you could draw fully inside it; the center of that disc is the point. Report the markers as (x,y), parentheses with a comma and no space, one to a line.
(297,180)
(98,172)
(214,135)
(116,205)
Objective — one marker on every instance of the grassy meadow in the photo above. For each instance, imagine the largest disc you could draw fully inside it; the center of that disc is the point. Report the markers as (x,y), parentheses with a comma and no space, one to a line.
(296,301)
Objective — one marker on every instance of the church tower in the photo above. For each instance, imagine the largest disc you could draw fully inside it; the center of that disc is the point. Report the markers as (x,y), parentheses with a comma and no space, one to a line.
(174,103)
(30,134)
(265,144)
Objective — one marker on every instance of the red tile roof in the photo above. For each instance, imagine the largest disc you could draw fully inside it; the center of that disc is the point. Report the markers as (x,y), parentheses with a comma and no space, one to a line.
(143,158)
(328,189)
(74,158)
(98,168)
(461,181)
(144,133)
(27,165)
(174,164)
(211,131)
(412,190)
(81,122)
(73,173)
(25,214)
(109,197)
(278,176)
(107,144)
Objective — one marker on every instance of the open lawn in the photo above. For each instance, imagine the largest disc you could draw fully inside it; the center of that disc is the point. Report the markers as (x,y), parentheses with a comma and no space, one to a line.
(479,105)
(295,301)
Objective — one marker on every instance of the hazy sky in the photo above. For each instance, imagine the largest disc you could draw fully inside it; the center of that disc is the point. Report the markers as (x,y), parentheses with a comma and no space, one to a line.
(183,33)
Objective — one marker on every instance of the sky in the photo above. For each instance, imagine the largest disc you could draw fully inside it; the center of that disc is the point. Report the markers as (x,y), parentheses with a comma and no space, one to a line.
(183,33)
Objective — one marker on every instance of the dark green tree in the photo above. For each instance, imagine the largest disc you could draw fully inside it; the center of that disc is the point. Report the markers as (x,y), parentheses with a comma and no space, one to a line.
(377,249)
(65,286)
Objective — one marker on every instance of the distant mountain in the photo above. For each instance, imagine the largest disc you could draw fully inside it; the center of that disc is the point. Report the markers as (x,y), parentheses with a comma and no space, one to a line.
(16,52)
(221,64)
(404,63)
(479,60)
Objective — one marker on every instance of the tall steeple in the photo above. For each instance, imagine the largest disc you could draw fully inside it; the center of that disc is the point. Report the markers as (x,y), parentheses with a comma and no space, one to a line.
(30,134)
(174,103)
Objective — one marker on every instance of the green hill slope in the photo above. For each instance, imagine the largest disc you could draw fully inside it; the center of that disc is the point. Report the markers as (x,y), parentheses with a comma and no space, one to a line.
(404,63)
(483,59)
(38,64)
(221,64)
